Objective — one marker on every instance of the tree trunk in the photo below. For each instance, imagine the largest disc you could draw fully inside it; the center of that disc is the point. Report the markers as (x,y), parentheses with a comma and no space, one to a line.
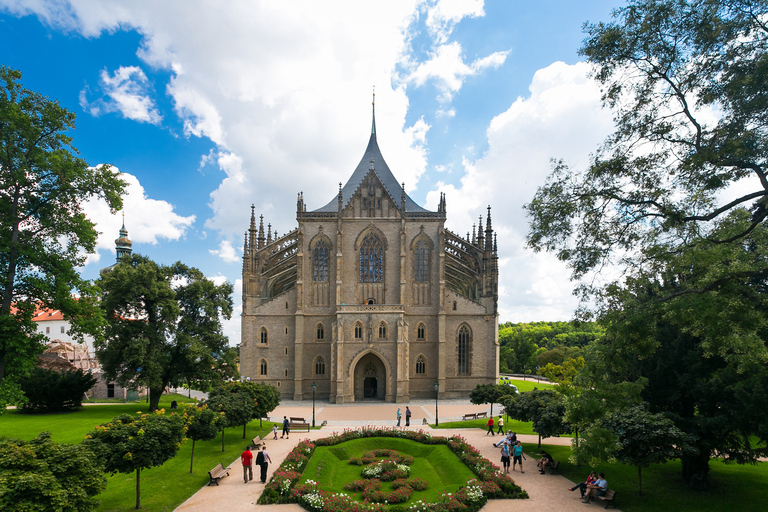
(222,440)
(639,481)
(539,441)
(491,409)
(696,469)
(244,425)
(138,488)
(192,458)
(154,398)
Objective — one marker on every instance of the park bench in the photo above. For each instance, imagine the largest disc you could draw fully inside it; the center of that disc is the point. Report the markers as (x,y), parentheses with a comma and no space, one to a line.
(553,467)
(299,424)
(256,442)
(217,473)
(471,416)
(295,419)
(609,498)
(482,415)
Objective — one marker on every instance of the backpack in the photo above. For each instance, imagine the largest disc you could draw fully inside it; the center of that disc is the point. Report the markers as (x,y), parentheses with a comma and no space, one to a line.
(260,458)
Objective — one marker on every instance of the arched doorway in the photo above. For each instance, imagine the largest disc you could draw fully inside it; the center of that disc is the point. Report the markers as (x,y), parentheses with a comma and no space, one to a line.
(370,378)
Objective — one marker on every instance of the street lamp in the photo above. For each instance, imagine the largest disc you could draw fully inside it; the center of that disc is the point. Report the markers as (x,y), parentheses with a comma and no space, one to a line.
(313,404)
(437,417)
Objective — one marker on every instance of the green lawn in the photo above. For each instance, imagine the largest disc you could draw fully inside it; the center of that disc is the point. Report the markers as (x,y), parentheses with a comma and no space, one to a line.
(436,464)
(528,384)
(733,486)
(162,488)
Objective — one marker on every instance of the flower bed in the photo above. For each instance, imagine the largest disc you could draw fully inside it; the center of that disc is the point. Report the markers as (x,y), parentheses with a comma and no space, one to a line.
(490,482)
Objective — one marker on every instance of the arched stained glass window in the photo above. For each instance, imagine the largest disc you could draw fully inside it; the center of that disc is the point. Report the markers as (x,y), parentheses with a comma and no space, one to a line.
(320,261)
(421,365)
(465,338)
(371,260)
(320,365)
(421,262)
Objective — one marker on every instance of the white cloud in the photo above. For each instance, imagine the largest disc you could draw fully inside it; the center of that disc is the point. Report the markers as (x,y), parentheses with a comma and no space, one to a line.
(226,252)
(147,220)
(561,118)
(447,67)
(126,91)
(443,15)
(231,327)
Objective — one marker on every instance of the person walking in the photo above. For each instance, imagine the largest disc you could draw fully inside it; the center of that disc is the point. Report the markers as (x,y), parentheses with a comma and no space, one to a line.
(247,459)
(398,416)
(286,428)
(517,456)
(501,424)
(505,457)
(263,459)
(490,427)
(274,431)
(407,416)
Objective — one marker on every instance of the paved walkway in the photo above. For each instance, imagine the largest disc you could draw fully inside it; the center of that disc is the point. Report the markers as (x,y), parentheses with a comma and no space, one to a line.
(547,492)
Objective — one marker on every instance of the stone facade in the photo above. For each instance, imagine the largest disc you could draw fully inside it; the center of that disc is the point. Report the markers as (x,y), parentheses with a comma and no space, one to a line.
(370,297)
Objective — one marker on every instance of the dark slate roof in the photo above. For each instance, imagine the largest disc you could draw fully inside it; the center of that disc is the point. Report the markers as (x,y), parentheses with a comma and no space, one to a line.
(381,169)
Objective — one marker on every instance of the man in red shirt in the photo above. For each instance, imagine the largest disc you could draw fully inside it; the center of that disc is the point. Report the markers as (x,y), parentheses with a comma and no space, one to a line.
(490,427)
(247,458)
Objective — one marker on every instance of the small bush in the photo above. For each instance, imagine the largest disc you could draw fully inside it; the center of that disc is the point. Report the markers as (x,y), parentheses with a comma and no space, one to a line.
(52,391)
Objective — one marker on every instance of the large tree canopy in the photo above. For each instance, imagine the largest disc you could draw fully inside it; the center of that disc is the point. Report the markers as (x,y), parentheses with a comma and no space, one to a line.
(688,83)
(164,325)
(44,234)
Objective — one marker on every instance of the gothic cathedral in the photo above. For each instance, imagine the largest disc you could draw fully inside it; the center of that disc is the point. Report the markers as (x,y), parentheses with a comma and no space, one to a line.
(370,297)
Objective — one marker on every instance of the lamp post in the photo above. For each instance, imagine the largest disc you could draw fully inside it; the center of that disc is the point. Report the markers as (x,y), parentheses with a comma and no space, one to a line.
(437,417)
(313,404)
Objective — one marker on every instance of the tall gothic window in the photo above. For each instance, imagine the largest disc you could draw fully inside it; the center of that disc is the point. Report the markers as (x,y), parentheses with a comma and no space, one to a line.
(421,262)
(320,332)
(263,368)
(320,262)
(371,260)
(382,331)
(465,339)
(319,366)
(358,331)
(421,365)
(421,332)
(263,336)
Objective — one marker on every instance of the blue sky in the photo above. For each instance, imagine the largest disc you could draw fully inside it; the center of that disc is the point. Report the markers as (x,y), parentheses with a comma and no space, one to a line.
(208,107)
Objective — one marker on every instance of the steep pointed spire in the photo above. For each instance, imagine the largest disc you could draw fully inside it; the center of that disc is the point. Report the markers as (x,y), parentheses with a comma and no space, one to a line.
(480,235)
(261,231)
(245,243)
(488,232)
(373,112)
(269,233)
(252,230)
(473,234)
(495,244)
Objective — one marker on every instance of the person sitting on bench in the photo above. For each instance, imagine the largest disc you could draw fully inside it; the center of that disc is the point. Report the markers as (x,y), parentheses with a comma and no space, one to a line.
(582,486)
(545,460)
(596,489)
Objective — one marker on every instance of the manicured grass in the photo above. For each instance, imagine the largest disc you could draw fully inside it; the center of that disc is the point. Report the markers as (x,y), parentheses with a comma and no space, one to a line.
(436,464)
(521,427)
(163,488)
(732,486)
(528,384)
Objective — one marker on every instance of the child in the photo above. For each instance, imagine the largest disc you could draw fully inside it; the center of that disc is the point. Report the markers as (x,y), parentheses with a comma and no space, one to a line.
(274,431)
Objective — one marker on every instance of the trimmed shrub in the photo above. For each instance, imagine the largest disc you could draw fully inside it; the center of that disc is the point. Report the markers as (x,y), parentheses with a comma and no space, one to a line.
(51,391)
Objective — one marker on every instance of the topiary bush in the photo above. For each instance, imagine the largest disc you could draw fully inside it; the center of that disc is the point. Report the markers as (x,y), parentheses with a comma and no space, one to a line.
(51,391)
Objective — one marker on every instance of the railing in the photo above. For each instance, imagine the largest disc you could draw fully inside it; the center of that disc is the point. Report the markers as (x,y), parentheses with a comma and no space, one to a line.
(380,308)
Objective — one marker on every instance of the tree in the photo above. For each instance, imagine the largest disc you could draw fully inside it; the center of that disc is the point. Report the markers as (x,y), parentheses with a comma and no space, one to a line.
(544,407)
(52,391)
(688,84)
(44,234)
(132,443)
(164,325)
(203,425)
(489,394)
(267,399)
(44,475)
(239,401)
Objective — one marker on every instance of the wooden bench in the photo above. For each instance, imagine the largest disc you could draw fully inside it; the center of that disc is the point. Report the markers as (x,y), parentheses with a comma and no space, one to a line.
(482,415)
(256,442)
(553,467)
(609,498)
(297,420)
(300,424)
(472,416)
(217,473)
